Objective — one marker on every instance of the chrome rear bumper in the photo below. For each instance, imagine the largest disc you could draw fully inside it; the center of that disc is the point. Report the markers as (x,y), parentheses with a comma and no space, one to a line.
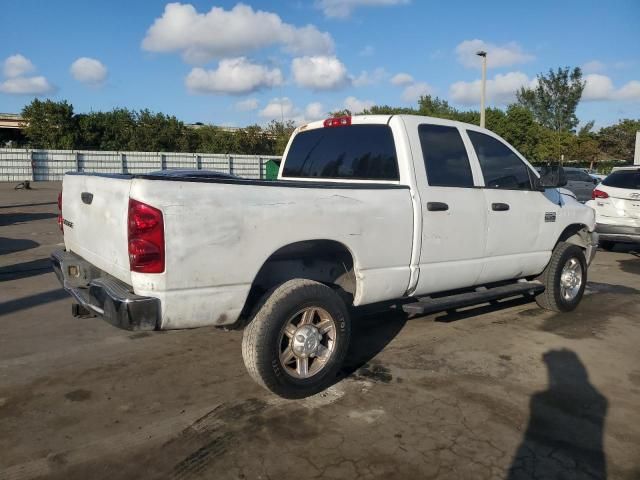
(104,295)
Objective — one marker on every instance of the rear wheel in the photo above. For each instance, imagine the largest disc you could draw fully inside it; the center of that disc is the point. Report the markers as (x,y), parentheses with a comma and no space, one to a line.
(564,279)
(297,341)
(607,245)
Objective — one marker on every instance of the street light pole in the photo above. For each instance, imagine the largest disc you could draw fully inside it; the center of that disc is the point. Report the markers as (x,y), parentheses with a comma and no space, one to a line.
(483,94)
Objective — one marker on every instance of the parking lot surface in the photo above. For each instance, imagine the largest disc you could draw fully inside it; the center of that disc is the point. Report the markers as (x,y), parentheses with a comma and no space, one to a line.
(498,391)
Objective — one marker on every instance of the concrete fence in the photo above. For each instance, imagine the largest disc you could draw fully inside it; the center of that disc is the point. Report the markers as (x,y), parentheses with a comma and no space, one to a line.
(19,164)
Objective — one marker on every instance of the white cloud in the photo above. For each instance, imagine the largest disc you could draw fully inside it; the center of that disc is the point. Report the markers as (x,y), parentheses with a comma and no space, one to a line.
(247,105)
(355,105)
(344,8)
(319,72)
(630,91)
(416,90)
(279,108)
(284,108)
(314,111)
(367,51)
(597,87)
(497,55)
(369,78)
(89,71)
(501,89)
(594,66)
(402,79)
(600,87)
(201,37)
(26,86)
(15,68)
(17,65)
(234,76)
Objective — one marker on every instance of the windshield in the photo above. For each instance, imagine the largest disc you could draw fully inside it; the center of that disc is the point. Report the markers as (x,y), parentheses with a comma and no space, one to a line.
(629,179)
(356,152)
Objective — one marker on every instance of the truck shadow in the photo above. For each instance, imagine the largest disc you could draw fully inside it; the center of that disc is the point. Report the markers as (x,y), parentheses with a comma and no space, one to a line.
(564,436)
(374,332)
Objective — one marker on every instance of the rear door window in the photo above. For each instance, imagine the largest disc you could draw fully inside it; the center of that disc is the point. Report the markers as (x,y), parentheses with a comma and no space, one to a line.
(629,179)
(445,156)
(355,152)
(501,167)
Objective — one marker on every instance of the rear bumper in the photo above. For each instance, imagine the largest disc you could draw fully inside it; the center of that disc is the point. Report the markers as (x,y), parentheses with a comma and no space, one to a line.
(104,295)
(618,233)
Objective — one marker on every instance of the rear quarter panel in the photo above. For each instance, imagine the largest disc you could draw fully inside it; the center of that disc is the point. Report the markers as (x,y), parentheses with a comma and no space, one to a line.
(219,235)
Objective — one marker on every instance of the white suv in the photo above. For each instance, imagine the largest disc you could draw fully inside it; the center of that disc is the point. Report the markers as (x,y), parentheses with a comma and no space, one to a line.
(617,204)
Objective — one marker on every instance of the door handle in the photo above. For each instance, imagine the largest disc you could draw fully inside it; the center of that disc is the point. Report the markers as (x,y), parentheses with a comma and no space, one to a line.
(500,207)
(437,206)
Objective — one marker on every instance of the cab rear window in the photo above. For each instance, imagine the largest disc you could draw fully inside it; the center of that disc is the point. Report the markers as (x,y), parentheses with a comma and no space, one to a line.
(624,179)
(355,152)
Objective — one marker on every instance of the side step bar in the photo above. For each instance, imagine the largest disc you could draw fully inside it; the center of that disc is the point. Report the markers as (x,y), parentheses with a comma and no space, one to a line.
(430,305)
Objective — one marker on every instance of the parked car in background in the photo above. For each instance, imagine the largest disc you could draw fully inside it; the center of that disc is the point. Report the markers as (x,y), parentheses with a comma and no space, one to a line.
(594,174)
(617,204)
(580,183)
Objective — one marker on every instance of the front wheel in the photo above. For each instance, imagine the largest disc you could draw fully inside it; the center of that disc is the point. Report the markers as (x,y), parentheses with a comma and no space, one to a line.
(564,279)
(297,341)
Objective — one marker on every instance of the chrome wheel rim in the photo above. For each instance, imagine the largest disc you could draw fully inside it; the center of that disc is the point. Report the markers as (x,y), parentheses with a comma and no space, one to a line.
(307,341)
(571,279)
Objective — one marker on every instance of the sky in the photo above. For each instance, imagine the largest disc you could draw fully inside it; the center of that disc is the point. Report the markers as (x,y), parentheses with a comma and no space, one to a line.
(236,64)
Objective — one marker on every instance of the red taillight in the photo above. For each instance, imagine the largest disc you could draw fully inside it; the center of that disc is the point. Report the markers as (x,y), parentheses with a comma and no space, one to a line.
(146,238)
(60,219)
(598,194)
(337,122)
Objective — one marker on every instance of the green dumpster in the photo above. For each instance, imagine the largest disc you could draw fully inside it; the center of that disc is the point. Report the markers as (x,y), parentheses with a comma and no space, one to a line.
(271,169)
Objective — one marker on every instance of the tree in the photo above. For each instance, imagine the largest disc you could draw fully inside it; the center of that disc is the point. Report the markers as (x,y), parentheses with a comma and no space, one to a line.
(618,141)
(156,132)
(106,130)
(553,101)
(50,124)
(280,132)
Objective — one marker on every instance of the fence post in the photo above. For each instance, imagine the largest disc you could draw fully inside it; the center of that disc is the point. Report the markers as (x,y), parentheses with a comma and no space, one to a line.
(260,165)
(123,165)
(32,162)
(77,158)
(163,161)
(230,158)
(198,162)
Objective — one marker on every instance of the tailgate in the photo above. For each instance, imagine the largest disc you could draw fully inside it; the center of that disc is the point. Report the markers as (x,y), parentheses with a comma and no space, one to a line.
(95,210)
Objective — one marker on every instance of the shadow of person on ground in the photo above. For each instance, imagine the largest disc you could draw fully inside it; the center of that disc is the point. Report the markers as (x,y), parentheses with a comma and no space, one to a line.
(564,437)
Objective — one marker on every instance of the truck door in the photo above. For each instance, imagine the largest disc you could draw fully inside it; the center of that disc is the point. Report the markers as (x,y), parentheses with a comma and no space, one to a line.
(520,220)
(453,214)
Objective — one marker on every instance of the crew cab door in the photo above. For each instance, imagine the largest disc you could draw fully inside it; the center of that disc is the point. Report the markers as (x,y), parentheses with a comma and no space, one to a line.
(453,214)
(521,221)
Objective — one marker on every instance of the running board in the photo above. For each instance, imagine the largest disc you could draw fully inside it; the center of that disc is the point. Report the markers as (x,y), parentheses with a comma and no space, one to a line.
(430,305)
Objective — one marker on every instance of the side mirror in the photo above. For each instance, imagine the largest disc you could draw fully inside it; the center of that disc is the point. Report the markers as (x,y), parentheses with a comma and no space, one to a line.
(552,176)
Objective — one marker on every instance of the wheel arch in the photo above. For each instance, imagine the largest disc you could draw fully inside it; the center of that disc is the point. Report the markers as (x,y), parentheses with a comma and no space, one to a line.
(575,234)
(326,261)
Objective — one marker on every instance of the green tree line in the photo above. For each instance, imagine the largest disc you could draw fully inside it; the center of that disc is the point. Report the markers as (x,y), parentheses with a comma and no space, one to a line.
(54,125)
(541,124)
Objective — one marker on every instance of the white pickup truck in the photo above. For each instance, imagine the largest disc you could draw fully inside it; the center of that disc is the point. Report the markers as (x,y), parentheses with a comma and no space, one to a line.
(430,213)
